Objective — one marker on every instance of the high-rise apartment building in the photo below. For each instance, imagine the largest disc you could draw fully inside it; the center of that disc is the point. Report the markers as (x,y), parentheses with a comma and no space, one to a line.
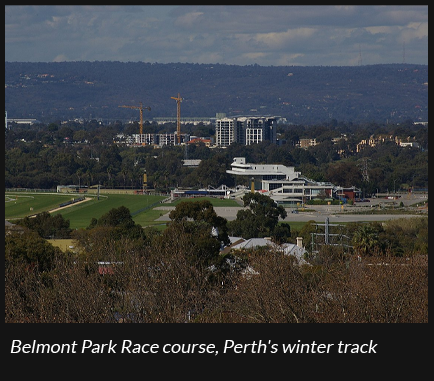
(225,131)
(245,130)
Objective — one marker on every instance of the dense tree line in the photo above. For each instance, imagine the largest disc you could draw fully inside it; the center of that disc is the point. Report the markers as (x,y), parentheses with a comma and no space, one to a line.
(44,156)
(180,275)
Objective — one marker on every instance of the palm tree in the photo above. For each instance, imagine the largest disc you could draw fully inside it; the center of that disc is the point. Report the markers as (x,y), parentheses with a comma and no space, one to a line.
(366,240)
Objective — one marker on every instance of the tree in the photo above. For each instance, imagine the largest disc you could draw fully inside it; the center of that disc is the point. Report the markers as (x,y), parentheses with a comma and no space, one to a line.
(344,173)
(260,219)
(120,224)
(281,233)
(196,231)
(366,239)
(202,211)
(117,217)
(276,292)
(48,225)
(193,240)
(30,248)
(213,171)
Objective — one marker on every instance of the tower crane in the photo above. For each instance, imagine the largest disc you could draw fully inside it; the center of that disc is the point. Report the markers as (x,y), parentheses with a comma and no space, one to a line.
(178,117)
(140,108)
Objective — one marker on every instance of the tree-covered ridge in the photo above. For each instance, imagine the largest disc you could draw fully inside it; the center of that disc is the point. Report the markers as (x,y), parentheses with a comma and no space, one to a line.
(48,91)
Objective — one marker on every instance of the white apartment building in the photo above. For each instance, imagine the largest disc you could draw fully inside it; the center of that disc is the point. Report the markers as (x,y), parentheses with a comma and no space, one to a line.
(245,130)
(159,139)
(225,131)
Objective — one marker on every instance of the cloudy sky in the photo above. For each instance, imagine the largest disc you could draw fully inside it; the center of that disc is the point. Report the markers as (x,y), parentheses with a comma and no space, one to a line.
(241,35)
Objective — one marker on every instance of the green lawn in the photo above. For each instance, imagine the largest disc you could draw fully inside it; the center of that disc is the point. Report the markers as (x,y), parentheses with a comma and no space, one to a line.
(81,215)
(17,206)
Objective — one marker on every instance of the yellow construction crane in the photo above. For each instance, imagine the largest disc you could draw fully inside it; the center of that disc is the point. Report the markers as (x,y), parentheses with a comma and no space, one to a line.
(141,108)
(178,117)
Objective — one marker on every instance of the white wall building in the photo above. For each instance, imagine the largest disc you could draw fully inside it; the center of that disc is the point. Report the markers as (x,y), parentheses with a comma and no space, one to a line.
(283,184)
(225,131)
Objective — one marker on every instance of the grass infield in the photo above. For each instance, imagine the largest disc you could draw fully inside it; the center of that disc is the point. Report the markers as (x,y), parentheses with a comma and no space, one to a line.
(19,205)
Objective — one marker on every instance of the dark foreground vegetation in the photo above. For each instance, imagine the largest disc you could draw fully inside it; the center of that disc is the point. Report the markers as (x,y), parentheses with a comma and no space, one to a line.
(123,273)
(162,284)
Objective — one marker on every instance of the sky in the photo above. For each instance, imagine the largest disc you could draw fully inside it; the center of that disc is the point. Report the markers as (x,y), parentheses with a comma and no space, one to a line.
(266,35)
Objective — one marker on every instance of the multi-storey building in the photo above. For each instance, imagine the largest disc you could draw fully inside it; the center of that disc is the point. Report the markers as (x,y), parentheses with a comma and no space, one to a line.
(245,130)
(285,185)
(225,131)
(158,139)
(306,143)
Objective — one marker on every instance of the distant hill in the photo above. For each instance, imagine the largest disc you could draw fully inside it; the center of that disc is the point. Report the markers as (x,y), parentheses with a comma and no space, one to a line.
(305,95)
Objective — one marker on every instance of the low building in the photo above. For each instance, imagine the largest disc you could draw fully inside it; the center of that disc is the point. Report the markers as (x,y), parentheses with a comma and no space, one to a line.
(198,140)
(222,192)
(191,162)
(306,143)
(409,144)
(9,121)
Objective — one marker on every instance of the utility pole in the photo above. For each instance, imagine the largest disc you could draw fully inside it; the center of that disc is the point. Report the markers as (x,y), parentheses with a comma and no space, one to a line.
(333,239)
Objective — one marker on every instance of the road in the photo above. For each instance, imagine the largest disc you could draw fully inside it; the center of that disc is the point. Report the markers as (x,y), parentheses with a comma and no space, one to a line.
(335,213)
(69,205)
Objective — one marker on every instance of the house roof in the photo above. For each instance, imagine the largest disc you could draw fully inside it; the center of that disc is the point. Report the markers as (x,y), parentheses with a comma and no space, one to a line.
(199,140)
(288,248)
(11,226)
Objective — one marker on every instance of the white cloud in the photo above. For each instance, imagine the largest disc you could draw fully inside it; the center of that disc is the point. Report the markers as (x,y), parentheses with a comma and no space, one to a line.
(60,58)
(188,20)
(418,29)
(381,29)
(279,40)
(268,35)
